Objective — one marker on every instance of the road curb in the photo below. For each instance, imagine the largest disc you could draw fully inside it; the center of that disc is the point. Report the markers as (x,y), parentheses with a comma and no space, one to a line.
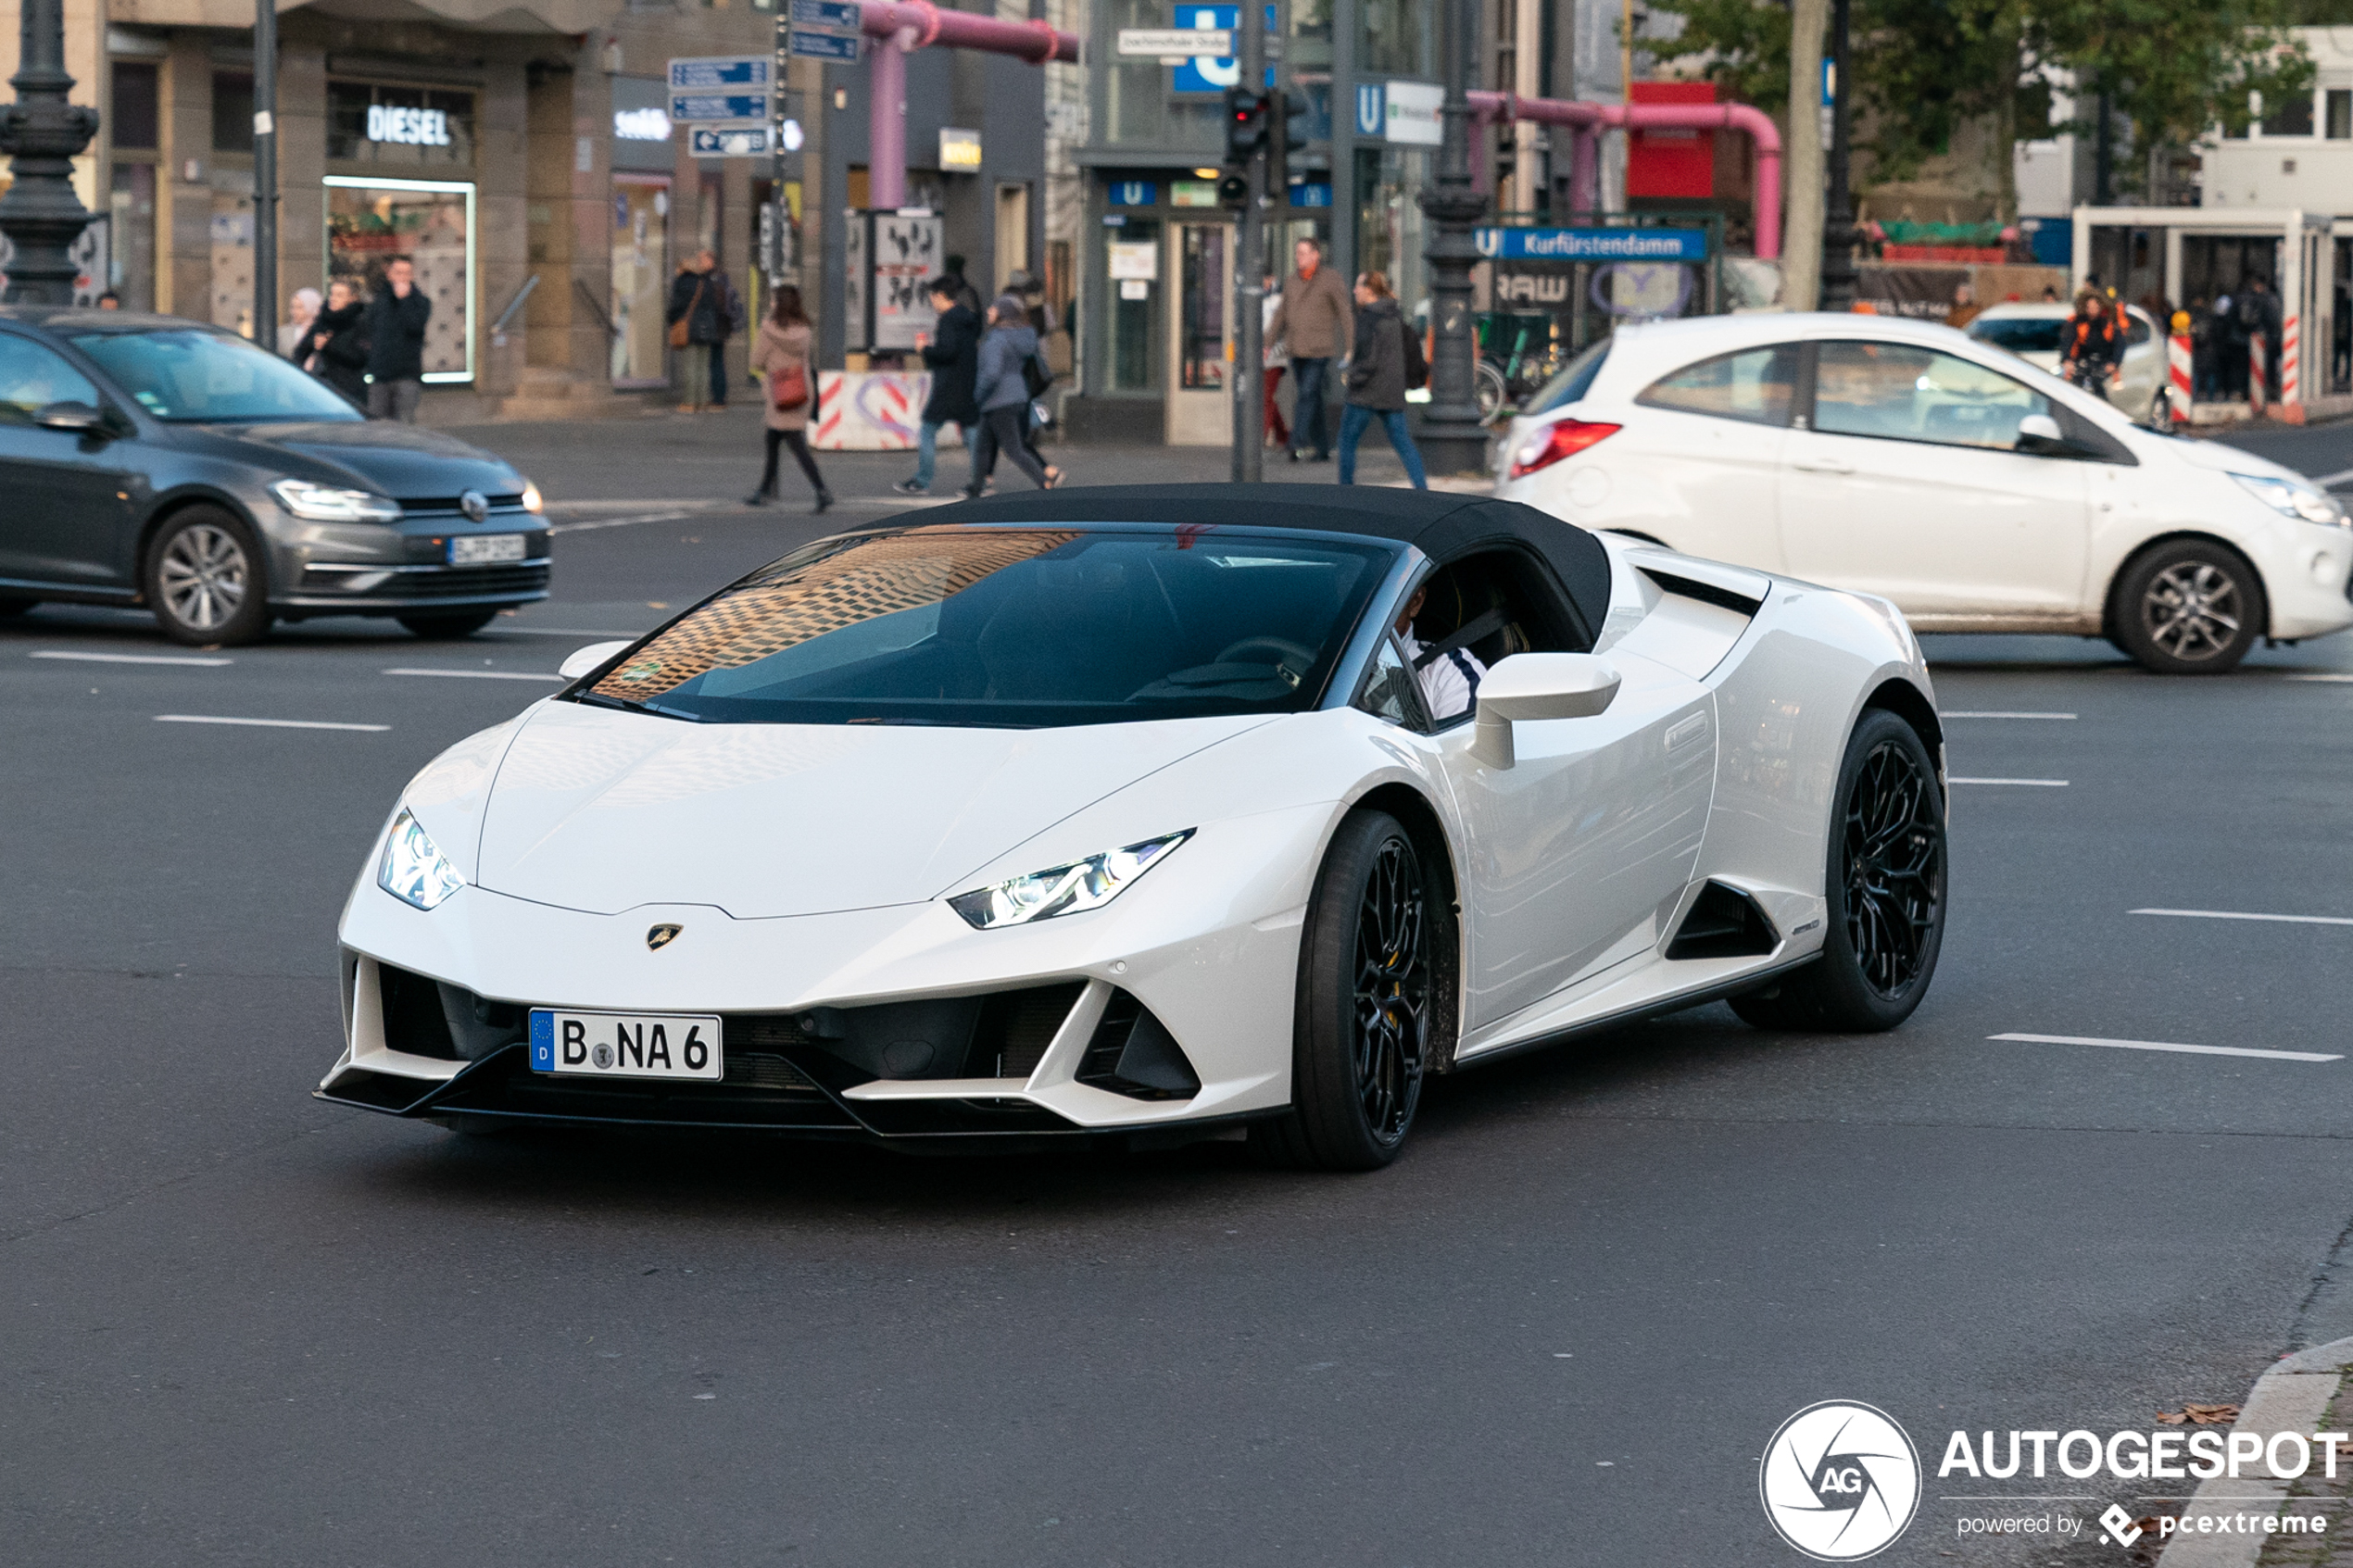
(2292,1396)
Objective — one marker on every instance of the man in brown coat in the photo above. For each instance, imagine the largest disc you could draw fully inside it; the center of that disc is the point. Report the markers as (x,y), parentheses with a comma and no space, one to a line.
(1314,321)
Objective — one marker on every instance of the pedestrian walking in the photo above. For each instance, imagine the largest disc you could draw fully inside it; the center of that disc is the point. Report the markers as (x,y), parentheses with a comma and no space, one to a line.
(1036,375)
(781,351)
(953,354)
(2091,348)
(295,334)
(1313,322)
(1376,380)
(397,317)
(1276,433)
(694,318)
(339,343)
(732,318)
(1003,396)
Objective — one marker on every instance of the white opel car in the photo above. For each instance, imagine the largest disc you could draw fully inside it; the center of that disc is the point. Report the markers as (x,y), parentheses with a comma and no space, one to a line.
(1909,461)
(1147,816)
(2035,330)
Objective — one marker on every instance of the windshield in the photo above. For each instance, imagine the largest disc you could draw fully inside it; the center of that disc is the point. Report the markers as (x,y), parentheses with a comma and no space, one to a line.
(1021,628)
(2019,334)
(189,375)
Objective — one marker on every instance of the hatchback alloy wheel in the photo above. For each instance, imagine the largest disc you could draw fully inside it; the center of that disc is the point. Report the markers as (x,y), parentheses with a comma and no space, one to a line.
(205,577)
(2192,610)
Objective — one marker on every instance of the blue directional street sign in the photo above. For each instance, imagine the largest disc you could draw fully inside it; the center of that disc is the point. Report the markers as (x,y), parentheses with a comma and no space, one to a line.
(719,74)
(715,141)
(719,108)
(845,14)
(821,45)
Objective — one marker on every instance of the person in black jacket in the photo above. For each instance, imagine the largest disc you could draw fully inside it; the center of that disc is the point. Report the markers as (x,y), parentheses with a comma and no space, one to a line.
(339,344)
(695,300)
(396,318)
(953,356)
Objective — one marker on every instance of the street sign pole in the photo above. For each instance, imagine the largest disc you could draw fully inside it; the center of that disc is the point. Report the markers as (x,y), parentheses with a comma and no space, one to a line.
(1249,264)
(777,153)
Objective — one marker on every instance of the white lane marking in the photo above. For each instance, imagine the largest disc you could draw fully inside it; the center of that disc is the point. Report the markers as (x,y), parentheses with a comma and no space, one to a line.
(2001,713)
(134,658)
(2234,914)
(2040,784)
(2164,1045)
(481,674)
(266,723)
(615,523)
(2321,677)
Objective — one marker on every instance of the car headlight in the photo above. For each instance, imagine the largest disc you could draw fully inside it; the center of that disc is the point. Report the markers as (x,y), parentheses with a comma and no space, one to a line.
(1063,890)
(532,500)
(412,870)
(2292,497)
(324,503)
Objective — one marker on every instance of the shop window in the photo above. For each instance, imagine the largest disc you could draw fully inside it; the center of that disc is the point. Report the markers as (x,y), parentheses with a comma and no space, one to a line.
(1311,35)
(1396,38)
(1135,287)
(432,223)
(370,123)
(2340,114)
(131,260)
(2292,118)
(134,120)
(1147,104)
(231,112)
(1389,236)
(1201,363)
(640,279)
(232,237)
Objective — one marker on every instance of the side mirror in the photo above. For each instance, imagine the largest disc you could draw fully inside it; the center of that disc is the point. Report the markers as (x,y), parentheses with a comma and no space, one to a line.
(2039,436)
(1538,686)
(583,660)
(77,417)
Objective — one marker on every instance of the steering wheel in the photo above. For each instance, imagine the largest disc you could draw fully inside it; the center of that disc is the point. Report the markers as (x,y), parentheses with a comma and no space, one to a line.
(1300,659)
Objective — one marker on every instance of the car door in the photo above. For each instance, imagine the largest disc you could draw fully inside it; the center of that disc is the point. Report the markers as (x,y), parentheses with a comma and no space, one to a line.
(1904,480)
(1709,447)
(67,499)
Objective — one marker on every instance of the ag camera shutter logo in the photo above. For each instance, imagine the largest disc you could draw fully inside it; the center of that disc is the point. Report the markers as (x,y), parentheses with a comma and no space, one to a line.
(1840,1481)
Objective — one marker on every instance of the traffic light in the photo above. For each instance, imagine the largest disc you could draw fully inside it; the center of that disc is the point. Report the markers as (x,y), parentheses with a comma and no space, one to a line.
(1245,124)
(1233,189)
(1299,117)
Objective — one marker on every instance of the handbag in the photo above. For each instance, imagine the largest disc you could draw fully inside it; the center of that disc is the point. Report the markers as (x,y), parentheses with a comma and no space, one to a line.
(789,388)
(678,327)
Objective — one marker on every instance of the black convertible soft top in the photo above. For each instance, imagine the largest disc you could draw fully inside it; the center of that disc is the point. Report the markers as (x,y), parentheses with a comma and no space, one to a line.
(1442,526)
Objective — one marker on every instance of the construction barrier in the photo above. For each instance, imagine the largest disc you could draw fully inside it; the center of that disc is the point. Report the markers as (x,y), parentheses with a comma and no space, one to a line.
(2290,387)
(2255,388)
(873,412)
(2178,362)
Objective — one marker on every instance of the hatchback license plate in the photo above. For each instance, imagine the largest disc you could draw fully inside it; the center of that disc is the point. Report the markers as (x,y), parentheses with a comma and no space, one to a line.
(481,549)
(625,1045)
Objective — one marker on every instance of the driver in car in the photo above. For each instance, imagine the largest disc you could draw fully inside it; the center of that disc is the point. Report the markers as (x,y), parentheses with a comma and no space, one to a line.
(1449,679)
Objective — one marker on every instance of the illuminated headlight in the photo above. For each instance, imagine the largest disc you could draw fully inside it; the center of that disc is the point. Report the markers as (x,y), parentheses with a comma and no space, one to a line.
(532,500)
(1063,890)
(2294,499)
(324,503)
(412,870)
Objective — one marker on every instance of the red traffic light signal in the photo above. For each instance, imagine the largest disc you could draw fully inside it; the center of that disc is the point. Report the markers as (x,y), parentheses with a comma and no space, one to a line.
(1246,124)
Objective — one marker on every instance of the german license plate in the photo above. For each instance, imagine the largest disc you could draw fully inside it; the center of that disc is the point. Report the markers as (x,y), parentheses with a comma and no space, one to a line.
(625,1045)
(481,549)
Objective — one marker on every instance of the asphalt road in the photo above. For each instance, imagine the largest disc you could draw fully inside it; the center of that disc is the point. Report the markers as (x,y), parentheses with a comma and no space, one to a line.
(240,1326)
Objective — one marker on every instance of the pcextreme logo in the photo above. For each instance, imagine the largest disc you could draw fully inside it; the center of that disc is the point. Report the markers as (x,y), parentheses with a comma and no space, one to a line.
(1840,1481)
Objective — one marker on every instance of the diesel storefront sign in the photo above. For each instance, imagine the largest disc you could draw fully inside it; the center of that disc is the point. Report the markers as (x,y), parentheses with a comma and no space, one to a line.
(373,122)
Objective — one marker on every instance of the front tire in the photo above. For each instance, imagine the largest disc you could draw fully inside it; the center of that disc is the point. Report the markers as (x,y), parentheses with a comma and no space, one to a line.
(460,623)
(1373,991)
(1884,887)
(206,580)
(2189,607)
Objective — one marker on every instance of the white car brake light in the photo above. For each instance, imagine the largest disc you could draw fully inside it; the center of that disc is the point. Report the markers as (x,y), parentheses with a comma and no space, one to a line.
(1562,438)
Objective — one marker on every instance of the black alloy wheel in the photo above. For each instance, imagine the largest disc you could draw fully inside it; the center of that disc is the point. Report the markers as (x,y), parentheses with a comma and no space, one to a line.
(2192,606)
(204,580)
(1375,980)
(1884,885)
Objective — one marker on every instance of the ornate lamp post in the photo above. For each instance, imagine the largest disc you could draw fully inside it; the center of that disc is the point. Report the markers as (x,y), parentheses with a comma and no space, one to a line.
(1452,438)
(1838,215)
(42,131)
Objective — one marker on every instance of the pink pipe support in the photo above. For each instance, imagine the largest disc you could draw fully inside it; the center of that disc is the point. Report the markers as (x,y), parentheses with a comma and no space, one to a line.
(1587,120)
(900,29)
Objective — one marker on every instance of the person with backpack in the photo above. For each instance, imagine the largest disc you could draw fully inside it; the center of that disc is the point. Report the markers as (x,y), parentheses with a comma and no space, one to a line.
(782,352)
(1002,391)
(2091,348)
(732,318)
(1385,363)
(695,326)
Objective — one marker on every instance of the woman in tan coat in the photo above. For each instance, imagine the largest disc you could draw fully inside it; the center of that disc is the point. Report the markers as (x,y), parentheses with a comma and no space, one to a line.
(782,348)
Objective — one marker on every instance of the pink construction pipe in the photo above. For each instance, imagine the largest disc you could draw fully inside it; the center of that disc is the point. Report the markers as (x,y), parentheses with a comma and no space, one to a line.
(1587,120)
(899,30)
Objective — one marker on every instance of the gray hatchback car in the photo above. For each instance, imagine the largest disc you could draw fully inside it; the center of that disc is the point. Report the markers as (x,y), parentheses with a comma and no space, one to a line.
(158,462)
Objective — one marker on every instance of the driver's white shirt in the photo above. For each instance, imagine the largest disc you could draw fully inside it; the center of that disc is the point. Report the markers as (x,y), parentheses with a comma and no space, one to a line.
(1449,682)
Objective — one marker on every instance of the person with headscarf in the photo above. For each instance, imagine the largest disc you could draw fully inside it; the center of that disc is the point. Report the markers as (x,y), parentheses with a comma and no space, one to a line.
(301,311)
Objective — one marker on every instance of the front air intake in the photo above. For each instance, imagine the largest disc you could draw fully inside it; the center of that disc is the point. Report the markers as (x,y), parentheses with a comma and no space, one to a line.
(1724,922)
(1133,1053)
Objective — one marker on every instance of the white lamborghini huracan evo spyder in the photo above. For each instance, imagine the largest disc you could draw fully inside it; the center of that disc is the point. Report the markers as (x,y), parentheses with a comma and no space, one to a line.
(1146,815)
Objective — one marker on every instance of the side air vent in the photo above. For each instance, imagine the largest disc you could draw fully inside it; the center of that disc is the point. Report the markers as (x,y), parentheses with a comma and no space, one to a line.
(1724,924)
(1714,593)
(1134,1054)
(433,1018)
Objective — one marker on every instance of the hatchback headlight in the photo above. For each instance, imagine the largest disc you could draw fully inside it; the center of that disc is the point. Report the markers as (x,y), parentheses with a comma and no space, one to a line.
(1063,890)
(532,500)
(414,869)
(324,503)
(2293,497)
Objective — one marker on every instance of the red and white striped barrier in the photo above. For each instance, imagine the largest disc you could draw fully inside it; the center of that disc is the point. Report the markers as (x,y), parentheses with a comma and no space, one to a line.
(873,412)
(2291,382)
(2255,388)
(2177,374)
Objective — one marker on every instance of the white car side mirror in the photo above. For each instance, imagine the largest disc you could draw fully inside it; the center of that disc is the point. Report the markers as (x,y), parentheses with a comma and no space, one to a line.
(2040,434)
(587,658)
(1538,686)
